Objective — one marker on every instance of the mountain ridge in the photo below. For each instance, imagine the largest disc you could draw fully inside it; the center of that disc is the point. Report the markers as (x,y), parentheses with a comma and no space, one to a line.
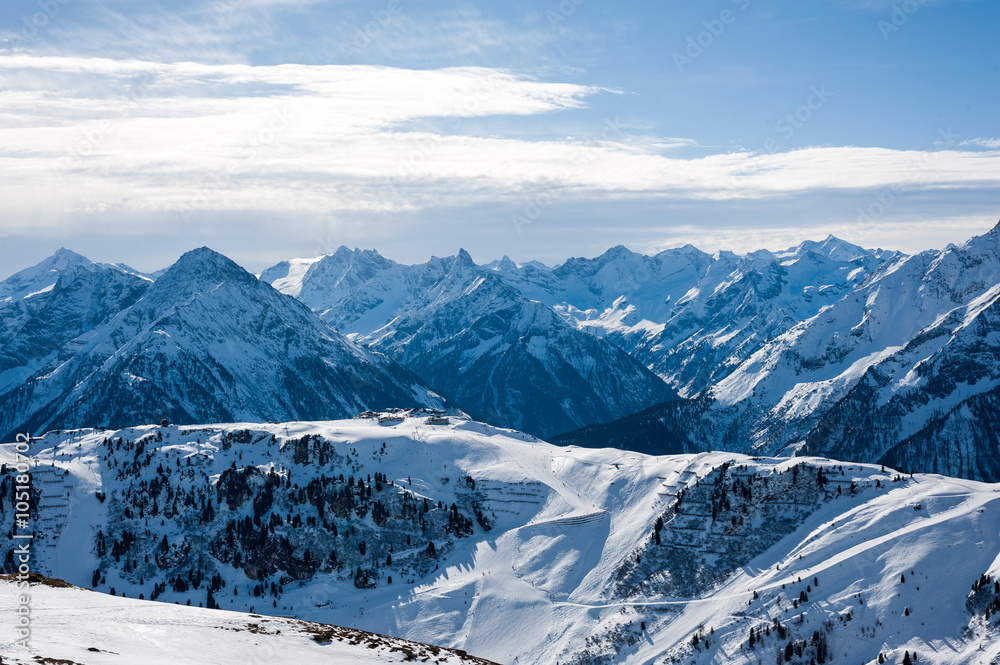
(209,340)
(541,554)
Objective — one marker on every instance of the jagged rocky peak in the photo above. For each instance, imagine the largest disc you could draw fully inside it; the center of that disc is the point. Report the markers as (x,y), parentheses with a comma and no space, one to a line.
(578,263)
(361,263)
(617,252)
(504,265)
(62,259)
(464,259)
(369,258)
(688,252)
(459,266)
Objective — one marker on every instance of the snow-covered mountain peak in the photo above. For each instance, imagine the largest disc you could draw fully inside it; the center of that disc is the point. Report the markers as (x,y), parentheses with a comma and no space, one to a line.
(504,265)
(684,249)
(615,253)
(42,277)
(461,268)
(287,276)
(985,243)
(63,256)
(202,267)
(832,248)
(580,267)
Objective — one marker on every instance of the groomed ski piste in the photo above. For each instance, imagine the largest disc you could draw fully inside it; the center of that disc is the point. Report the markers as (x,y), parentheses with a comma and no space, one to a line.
(818,559)
(72,626)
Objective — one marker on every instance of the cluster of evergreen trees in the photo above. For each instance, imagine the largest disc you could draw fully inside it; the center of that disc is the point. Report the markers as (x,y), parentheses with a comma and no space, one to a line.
(985,597)
(259,520)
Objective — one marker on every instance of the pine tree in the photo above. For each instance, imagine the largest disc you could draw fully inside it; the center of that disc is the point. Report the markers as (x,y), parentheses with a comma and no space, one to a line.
(906,658)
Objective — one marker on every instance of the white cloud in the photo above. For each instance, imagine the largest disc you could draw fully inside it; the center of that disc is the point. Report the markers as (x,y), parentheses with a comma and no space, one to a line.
(991,144)
(96,135)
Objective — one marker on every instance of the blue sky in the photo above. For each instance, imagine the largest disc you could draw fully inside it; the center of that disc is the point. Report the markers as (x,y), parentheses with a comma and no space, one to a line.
(266,129)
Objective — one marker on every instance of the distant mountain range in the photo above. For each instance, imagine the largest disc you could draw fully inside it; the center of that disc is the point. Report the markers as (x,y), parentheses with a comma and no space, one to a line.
(501,357)
(825,348)
(903,368)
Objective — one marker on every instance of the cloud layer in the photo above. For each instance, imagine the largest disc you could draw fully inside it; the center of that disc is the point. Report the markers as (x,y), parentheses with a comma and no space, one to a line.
(84,135)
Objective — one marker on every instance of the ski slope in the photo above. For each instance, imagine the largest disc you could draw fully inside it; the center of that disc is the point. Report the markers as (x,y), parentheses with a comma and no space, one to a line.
(569,571)
(72,625)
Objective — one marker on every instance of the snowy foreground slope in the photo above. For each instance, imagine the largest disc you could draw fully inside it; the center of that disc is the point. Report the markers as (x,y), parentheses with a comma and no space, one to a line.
(72,625)
(496,543)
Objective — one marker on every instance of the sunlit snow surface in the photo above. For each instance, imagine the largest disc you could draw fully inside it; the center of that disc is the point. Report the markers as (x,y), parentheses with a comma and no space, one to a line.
(71,625)
(568,525)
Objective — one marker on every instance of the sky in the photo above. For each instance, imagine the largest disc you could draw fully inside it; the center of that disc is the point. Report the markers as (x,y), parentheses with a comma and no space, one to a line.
(132,131)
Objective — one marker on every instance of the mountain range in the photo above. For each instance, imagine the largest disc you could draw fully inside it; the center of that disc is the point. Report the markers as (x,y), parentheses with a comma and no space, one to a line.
(825,348)
(502,357)
(99,345)
(901,369)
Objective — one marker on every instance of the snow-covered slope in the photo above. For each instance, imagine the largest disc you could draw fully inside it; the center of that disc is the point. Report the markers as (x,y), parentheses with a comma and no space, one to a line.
(72,625)
(500,356)
(540,554)
(207,341)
